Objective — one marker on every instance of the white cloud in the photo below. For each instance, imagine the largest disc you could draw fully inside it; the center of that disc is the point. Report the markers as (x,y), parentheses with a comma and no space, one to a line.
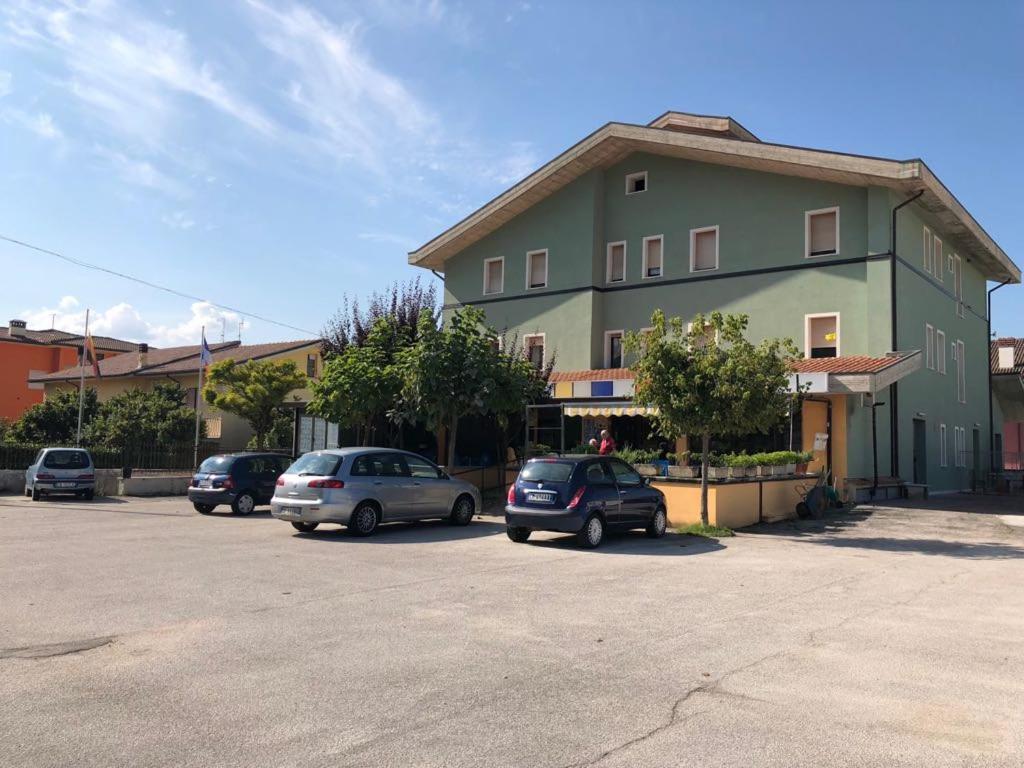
(123,321)
(178,220)
(142,173)
(39,123)
(6,78)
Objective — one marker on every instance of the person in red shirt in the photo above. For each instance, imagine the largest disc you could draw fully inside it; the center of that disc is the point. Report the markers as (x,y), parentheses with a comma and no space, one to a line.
(607,443)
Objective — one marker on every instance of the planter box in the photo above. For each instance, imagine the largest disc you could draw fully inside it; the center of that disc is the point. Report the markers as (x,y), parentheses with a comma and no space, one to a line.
(647,470)
(801,468)
(777,470)
(683,471)
(718,473)
(740,471)
(762,470)
(791,469)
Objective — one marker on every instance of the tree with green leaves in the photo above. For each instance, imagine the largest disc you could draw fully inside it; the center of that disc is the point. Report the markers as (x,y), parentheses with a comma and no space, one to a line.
(55,420)
(401,304)
(449,373)
(709,380)
(253,390)
(136,418)
(518,383)
(362,383)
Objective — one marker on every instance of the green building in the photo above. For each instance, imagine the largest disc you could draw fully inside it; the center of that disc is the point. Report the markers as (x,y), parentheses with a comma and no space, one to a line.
(872,267)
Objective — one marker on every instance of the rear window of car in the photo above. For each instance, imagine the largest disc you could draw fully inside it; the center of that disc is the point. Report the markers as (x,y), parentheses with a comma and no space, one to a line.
(66,460)
(547,471)
(216,464)
(316,464)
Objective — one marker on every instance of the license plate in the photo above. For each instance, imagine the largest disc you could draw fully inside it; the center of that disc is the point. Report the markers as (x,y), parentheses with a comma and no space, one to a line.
(64,485)
(206,483)
(541,498)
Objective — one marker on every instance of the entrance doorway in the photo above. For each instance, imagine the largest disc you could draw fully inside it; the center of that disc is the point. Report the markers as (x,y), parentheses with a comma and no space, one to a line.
(920,451)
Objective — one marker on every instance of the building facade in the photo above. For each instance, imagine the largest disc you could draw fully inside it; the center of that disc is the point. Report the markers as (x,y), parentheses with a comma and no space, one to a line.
(693,214)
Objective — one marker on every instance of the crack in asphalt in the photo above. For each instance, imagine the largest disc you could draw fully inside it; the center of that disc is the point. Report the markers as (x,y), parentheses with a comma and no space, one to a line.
(51,650)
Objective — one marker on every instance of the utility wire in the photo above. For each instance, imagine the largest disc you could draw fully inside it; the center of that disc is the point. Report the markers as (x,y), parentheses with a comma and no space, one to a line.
(87,265)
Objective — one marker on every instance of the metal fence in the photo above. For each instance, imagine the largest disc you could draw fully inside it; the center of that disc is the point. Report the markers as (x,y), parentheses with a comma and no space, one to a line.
(152,458)
(1001,472)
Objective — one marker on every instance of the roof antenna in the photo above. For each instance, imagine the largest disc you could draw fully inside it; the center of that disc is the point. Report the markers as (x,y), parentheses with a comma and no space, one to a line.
(241,324)
(53,319)
(223,328)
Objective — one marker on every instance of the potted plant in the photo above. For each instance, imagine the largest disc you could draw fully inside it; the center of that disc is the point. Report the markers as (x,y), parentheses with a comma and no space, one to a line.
(775,462)
(641,460)
(739,464)
(683,466)
(716,468)
(803,459)
(762,464)
(791,459)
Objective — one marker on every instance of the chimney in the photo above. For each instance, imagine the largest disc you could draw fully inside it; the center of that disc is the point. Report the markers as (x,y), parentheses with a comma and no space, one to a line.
(1006,356)
(143,354)
(16,328)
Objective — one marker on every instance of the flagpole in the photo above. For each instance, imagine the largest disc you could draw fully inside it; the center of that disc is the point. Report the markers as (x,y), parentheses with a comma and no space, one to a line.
(81,383)
(199,395)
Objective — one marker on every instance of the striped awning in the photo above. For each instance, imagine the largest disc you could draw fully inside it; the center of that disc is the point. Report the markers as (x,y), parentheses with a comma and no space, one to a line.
(608,409)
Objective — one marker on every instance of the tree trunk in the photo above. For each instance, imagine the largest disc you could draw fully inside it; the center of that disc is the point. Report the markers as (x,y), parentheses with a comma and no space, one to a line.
(452,429)
(704,464)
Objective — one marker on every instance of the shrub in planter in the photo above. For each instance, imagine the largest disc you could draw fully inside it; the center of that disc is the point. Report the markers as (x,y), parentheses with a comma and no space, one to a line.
(762,464)
(540,449)
(683,466)
(803,459)
(717,470)
(740,465)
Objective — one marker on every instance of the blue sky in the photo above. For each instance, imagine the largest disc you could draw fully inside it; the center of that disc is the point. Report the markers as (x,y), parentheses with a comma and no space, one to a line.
(275,156)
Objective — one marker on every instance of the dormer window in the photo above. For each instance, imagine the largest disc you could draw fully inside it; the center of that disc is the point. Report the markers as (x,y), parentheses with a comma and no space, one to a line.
(821,232)
(636,182)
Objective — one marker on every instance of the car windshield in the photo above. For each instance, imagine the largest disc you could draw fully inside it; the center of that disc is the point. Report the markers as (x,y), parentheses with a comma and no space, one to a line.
(216,465)
(547,471)
(322,464)
(66,460)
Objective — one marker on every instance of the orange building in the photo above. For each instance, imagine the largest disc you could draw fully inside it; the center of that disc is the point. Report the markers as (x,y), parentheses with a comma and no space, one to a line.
(25,352)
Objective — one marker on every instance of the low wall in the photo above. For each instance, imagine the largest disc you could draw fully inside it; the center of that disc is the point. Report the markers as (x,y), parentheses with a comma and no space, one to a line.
(13,481)
(734,503)
(156,485)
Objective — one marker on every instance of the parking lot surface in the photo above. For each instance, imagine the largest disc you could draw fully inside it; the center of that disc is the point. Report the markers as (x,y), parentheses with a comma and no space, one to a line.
(136,632)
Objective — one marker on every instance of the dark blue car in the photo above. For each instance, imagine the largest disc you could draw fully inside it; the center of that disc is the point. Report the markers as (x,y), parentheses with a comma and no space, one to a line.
(584,495)
(239,480)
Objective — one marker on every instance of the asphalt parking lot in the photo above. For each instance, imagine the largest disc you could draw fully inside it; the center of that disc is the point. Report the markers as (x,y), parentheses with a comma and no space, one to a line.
(139,633)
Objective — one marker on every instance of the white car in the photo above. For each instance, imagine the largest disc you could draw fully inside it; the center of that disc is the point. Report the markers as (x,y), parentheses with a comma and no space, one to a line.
(363,487)
(61,470)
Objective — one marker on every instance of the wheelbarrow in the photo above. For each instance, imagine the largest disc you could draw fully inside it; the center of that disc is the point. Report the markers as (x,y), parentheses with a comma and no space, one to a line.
(816,498)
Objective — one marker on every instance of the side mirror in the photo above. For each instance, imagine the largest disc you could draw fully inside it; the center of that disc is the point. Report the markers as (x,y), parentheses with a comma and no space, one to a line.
(442,475)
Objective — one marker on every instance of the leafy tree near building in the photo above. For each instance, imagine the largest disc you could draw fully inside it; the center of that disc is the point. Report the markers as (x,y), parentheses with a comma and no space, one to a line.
(709,380)
(402,304)
(253,390)
(138,418)
(55,420)
(362,382)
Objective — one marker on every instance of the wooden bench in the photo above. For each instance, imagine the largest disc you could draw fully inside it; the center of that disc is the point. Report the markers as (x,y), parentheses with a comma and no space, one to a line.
(911,490)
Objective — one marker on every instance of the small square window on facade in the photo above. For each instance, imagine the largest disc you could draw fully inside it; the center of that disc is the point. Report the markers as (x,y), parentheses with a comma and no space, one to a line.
(537,269)
(636,182)
(703,249)
(616,272)
(822,232)
(494,275)
(653,256)
(821,336)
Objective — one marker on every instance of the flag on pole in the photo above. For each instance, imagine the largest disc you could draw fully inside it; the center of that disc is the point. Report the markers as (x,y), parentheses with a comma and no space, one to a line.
(205,356)
(90,355)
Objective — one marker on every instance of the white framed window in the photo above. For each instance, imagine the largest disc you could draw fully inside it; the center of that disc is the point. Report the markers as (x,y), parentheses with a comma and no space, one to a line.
(940,352)
(959,446)
(636,182)
(943,458)
(821,335)
(615,271)
(958,283)
(961,372)
(533,348)
(494,275)
(654,256)
(704,249)
(949,262)
(821,232)
(937,260)
(537,269)
(613,349)
(929,346)
(926,250)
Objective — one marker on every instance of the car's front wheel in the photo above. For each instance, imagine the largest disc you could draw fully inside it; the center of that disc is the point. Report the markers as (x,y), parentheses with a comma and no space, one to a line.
(243,504)
(202,509)
(658,525)
(592,532)
(517,534)
(305,527)
(87,495)
(462,512)
(364,520)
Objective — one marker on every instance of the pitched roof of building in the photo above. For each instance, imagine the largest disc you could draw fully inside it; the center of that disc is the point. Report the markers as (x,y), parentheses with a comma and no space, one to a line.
(171,360)
(605,374)
(723,141)
(1018,355)
(65,339)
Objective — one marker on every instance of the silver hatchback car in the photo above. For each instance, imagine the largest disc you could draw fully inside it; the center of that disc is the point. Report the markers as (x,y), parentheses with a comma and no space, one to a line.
(363,487)
(61,470)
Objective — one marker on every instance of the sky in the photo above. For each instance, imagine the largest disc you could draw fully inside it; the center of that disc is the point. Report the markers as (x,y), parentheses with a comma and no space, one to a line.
(275,156)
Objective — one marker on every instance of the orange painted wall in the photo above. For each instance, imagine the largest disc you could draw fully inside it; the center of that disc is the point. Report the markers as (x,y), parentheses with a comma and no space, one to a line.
(16,360)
